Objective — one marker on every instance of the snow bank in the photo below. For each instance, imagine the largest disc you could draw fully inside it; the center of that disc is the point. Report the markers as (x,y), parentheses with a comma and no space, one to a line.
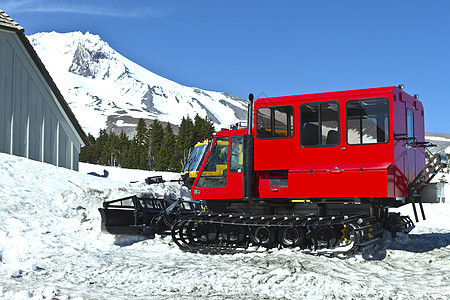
(51,247)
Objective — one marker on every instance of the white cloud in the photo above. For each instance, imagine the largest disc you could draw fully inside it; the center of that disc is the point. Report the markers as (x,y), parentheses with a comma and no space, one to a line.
(104,9)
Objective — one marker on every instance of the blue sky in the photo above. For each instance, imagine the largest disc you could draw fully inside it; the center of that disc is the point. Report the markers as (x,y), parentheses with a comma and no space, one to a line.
(271,48)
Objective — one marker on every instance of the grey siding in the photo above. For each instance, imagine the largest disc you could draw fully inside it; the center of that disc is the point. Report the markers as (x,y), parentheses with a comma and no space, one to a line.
(32,122)
(6,98)
(75,157)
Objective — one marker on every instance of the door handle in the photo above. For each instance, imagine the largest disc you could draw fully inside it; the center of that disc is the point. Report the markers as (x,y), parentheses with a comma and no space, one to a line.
(275,190)
(337,171)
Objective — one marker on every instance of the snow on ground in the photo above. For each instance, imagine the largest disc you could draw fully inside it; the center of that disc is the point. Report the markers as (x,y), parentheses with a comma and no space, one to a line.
(437,138)
(51,247)
(126,175)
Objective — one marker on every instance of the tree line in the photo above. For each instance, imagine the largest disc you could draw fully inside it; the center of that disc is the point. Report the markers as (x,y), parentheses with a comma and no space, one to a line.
(152,148)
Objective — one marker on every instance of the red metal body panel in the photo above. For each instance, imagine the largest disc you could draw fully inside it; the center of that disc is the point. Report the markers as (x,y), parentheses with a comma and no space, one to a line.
(342,170)
(308,167)
(284,154)
(233,189)
(347,181)
(409,158)
(266,191)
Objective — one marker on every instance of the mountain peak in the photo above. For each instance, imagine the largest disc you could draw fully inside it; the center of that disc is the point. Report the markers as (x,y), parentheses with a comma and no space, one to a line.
(106,90)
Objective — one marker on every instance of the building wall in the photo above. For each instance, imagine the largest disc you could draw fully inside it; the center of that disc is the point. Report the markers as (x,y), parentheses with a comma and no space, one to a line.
(32,122)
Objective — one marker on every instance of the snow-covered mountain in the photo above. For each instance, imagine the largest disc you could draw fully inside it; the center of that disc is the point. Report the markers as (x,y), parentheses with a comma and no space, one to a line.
(105,89)
(441,140)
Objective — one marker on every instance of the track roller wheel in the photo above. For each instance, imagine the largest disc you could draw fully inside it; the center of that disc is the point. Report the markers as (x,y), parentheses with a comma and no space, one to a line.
(201,233)
(263,236)
(291,236)
(324,237)
(179,234)
(233,234)
(350,235)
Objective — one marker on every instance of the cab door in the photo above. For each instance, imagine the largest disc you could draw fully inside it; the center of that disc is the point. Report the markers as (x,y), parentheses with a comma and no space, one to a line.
(410,140)
(221,174)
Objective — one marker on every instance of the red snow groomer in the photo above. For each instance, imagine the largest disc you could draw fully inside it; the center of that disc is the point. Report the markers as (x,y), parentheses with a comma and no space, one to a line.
(316,171)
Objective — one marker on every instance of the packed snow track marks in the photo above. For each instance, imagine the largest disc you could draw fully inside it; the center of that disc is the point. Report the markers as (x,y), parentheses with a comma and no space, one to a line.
(51,247)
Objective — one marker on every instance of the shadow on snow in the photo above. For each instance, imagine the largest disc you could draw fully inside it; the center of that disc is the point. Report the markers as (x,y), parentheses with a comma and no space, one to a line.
(416,243)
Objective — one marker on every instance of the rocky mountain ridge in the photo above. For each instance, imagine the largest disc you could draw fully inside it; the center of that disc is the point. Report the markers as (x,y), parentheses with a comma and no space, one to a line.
(106,90)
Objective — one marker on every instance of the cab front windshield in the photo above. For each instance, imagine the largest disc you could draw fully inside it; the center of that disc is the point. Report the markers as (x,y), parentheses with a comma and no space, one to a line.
(214,173)
(195,159)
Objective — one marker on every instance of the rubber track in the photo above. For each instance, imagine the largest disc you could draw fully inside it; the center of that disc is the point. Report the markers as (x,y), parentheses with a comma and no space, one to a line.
(210,233)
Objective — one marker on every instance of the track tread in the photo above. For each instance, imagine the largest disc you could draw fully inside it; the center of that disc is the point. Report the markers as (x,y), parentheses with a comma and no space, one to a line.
(365,231)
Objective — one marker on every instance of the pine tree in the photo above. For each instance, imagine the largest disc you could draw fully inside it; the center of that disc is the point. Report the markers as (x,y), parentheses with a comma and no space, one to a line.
(88,153)
(112,149)
(185,141)
(203,128)
(116,148)
(208,128)
(132,156)
(165,160)
(155,148)
(156,138)
(107,149)
(103,153)
(137,149)
(137,154)
(142,134)
(123,145)
(142,140)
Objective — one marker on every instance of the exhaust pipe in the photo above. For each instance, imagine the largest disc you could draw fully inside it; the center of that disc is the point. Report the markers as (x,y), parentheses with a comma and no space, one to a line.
(250,114)
(248,173)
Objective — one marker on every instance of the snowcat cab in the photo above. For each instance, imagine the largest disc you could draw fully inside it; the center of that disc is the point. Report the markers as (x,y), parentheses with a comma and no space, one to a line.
(194,163)
(317,171)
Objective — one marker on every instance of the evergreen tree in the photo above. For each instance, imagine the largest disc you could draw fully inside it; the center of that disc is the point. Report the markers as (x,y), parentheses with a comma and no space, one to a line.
(103,153)
(156,138)
(165,160)
(142,134)
(110,150)
(132,156)
(137,154)
(107,149)
(208,128)
(142,139)
(116,148)
(88,153)
(203,128)
(185,141)
(156,148)
(123,145)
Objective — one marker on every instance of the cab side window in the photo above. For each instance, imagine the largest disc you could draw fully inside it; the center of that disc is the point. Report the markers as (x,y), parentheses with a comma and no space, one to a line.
(410,123)
(237,153)
(275,122)
(368,121)
(319,124)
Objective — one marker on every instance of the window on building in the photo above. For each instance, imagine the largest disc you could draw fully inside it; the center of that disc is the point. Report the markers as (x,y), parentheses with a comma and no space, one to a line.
(368,121)
(319,123)
(275,122)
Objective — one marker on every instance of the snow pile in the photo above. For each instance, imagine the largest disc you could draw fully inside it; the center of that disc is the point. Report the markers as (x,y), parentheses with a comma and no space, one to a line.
(51,247)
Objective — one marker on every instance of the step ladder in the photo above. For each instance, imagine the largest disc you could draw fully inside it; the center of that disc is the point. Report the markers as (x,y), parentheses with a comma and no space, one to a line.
(434,166)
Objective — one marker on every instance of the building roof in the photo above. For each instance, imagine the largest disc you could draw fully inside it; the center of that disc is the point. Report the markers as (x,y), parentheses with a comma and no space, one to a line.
(7,23)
